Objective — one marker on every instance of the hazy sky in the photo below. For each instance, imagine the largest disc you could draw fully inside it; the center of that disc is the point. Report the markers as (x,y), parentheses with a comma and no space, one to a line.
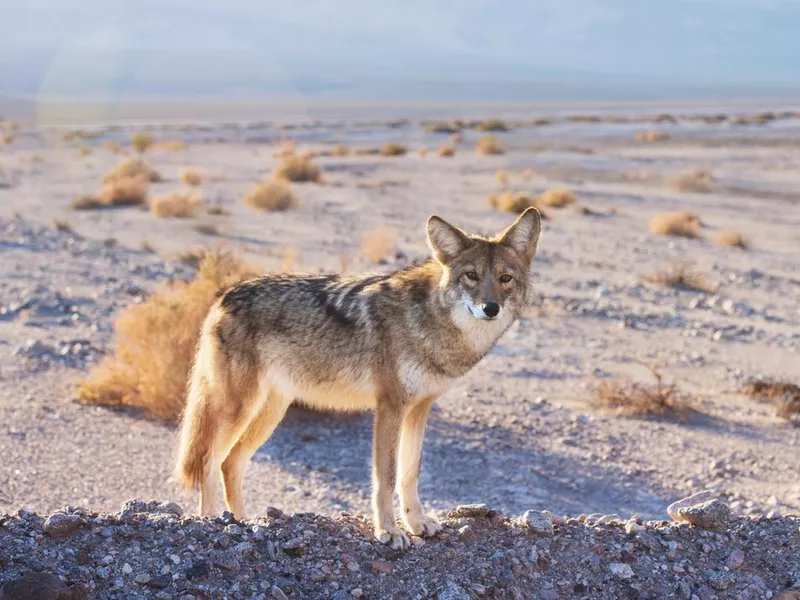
(319,47)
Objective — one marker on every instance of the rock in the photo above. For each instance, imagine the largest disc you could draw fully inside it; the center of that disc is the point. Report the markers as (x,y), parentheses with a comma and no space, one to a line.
(295,548)
(537,522)
(61,525)
(37,586)
(469,511)
(721,581)
(357,593)
(712,514)
(274,513)
(277,593)
(451,591)
(199,568)
(466,533)
(381,566)
(699,497)
(632,527)
(160,582)
(735,560)
(621,570)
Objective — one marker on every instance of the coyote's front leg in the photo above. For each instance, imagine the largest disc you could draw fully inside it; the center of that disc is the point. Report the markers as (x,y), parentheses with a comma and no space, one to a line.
(388,420)
(411,440)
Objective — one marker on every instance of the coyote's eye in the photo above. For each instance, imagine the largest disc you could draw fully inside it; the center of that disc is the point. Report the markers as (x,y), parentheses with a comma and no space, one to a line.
(506,278)
(472,275)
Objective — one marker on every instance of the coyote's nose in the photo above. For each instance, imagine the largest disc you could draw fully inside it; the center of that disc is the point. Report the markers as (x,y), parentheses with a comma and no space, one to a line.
(491,309)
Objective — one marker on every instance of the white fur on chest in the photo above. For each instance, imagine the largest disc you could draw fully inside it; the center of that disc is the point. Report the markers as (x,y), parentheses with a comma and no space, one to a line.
(419,381)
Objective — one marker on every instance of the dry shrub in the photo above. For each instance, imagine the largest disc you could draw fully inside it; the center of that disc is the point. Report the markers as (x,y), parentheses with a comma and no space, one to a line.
(379,244)
(141,141)
(298,168)
(443,128)
(341,150)
(516,202)
(783,394)
(366,151)
(697,181)
(155,341)
(502,177)
(132,168)
(681,224)
(62,225)
(493,125)
(446,152)
(169,146)
(128,191)
(557,197)
(272,195)
(626,397)
(218,211)
(488,145)
(110,242)
(730,238)
(651,136)
(176,205)
(393,149)
(85,151)
(682,276)
(192,177)
(423,152)
(207,229)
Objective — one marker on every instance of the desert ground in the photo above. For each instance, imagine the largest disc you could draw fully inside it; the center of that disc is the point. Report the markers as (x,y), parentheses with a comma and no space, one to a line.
(524,430)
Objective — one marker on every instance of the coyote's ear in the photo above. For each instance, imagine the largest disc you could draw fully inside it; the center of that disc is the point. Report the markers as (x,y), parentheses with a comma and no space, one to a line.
(445,241)
(523,235)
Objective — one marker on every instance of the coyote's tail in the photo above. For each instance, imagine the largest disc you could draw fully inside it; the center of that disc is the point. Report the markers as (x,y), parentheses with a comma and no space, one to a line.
(197,424)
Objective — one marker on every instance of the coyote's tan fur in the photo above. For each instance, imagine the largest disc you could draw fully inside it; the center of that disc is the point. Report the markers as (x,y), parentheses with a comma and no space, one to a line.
(392,343)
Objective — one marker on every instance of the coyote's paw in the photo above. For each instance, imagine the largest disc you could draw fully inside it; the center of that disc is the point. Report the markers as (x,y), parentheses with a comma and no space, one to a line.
(423,525)
(393,537)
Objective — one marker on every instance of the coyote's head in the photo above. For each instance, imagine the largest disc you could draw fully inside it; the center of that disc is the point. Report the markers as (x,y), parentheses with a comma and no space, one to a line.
(488,276)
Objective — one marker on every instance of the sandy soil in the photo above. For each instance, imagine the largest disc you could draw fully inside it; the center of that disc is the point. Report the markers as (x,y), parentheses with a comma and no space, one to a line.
(519,431)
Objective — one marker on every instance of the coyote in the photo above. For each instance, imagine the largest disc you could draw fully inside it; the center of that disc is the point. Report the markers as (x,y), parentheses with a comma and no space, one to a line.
(392,343)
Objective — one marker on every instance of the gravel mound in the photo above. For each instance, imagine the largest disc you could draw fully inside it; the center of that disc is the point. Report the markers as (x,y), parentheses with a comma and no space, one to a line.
(150,550)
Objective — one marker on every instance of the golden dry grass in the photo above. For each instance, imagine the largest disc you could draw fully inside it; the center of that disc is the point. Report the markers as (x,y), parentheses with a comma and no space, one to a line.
(557,197)
(272,195)
(393,149)
(493,125)
(218,211)
(132,167)
(446,152)
(192,177)
(630,398)
(784,395)
(726,237)
(380,244)
(696,181)
(516,202)
(126,191)
(176,205)
(680,224)
(502,177)
(488,145)
(651,136)
(141,141)
(155,341)
(682,276)
(341,150)
(298,169)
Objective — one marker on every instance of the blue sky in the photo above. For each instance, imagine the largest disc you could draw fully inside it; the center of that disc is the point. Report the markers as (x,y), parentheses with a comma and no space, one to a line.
(325,48)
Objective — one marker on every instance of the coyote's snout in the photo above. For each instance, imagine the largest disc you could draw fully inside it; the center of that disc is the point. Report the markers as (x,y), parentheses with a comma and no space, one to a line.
(392,343)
